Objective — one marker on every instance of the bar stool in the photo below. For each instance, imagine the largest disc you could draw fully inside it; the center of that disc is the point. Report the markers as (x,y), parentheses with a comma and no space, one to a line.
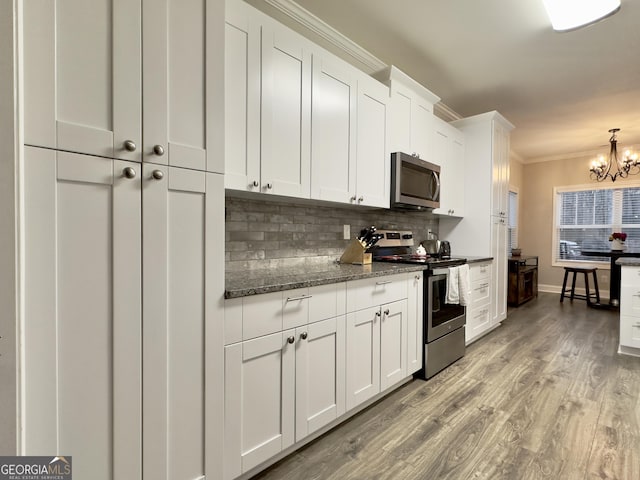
(588,295)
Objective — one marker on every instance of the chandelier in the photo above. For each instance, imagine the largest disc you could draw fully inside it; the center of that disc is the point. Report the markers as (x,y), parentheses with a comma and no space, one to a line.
(627,164)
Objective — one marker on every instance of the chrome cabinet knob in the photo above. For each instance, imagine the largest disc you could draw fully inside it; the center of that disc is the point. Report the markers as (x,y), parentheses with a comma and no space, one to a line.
(304,335)
(158,150)
(129,172)
(157,174)
(353,199)
(269,186)
(130,146)
(386,312)
(377,314)
(255,183)
(360,199)
(291,339)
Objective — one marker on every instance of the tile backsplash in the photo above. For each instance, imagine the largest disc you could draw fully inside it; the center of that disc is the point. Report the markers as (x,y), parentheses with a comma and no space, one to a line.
(265,234)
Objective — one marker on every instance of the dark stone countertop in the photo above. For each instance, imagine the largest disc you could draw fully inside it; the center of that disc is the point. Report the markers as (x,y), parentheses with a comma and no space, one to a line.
(252,282)
(628,261)
(473,259)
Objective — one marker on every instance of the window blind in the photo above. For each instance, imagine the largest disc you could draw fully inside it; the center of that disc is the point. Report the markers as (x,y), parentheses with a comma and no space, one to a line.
(584,220)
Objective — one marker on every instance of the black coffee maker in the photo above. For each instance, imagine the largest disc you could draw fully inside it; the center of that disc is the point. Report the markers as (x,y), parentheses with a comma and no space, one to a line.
(445,249)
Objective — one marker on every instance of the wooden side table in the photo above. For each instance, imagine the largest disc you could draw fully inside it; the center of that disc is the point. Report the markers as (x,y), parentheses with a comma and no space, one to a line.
(523,279)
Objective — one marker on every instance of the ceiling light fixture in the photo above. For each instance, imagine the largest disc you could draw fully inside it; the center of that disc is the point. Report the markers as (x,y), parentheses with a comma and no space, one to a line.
(566,15)
(601,167)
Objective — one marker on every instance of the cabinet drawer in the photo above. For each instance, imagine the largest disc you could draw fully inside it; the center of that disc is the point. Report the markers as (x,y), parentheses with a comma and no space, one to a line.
(479,271)
(480,291)
(630,276)
(252,316)
(327,301)
(630,300)
(370,292)
(629,331)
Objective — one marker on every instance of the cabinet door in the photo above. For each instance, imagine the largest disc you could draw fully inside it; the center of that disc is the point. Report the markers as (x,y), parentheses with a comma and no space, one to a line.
(363,355)
(478,321)
(183,83)
(393,344)
(440,154)
(259,401)
(456,174)
(400,124)
(242,99)
(182,211)
(630,291)
(82,330)
(333,143)
(415,321)
(629,331)
(82,77)
(421,127)
(320,375)
(499,233)
(373,161)
(286,113)
(500,180)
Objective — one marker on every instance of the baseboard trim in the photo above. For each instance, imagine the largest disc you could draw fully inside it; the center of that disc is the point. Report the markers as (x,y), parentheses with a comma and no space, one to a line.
(634,352)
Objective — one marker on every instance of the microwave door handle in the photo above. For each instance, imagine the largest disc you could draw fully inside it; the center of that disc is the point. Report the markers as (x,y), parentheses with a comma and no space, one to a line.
(437,179)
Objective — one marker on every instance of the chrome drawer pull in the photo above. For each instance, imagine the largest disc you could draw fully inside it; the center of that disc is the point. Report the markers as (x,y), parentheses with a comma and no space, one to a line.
(301,297)
(383,283)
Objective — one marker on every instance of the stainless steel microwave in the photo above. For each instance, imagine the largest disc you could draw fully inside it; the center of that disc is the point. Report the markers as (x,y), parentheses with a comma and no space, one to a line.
(415,184)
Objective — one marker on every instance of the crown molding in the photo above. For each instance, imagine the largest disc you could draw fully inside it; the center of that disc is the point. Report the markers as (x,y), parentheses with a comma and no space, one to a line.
(445,113)
(307,19)
(586,154)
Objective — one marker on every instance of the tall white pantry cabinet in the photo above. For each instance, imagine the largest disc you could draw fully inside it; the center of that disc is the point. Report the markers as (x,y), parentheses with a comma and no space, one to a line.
(123,227)
(483,230)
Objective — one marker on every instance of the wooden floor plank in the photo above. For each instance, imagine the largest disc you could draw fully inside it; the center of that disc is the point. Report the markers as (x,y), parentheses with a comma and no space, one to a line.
(544,396)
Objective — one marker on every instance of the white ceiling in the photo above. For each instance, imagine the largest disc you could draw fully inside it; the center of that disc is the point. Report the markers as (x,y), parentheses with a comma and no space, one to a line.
(562,91)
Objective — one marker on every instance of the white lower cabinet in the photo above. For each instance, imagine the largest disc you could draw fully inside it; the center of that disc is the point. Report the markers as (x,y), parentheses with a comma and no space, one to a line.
(363,355)
(320,375)
(630,308)
(479,312)
(312,363)
(259,401)
(393,343)
(122,390)
(279,388)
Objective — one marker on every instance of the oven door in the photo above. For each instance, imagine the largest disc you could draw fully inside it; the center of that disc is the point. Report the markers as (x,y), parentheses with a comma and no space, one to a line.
(440,317)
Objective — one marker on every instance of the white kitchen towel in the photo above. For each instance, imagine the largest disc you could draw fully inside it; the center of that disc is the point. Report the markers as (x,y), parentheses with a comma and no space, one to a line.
(453,295)
(464,285)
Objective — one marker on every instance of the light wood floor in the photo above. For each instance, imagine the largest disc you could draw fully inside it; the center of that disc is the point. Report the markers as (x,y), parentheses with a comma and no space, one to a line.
(543,396)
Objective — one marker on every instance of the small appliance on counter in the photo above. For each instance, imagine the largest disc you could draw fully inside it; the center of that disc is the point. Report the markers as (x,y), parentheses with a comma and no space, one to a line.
(444,323)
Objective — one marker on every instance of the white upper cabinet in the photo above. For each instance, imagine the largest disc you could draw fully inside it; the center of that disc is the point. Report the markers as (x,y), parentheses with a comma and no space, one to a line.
(373,163)
(333,136)
(268,105)
(286,113)
(242,98)
(411,114)
(500,183)
(447,150)
(112,79)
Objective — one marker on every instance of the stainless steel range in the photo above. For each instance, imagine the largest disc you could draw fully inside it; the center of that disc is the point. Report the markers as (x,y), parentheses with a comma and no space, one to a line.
(444,323)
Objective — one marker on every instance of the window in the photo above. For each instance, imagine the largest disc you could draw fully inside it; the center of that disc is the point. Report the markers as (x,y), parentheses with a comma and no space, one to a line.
(513,220)
(584,219)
